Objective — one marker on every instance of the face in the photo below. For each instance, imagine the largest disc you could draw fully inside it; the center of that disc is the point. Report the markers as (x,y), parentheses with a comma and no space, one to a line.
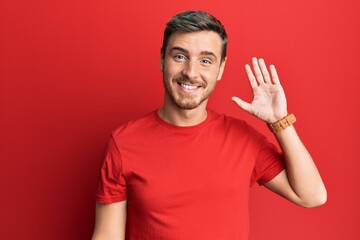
(191,68)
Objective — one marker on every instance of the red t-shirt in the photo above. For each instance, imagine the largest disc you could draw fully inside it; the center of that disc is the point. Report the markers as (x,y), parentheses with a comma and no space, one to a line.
(186,182)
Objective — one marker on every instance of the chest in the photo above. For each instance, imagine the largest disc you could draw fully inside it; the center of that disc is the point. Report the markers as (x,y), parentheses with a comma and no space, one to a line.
(186,171)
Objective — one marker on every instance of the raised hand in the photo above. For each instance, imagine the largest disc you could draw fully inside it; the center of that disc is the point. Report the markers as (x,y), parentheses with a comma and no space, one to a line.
(269,102)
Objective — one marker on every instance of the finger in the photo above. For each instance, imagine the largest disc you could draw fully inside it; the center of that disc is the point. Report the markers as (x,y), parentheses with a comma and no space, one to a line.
(242,104)
(257,70)
(274,75)
(251,77)
(264,71)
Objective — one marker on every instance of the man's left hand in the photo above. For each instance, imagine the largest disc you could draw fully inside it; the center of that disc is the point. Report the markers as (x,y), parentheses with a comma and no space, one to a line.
(269,101)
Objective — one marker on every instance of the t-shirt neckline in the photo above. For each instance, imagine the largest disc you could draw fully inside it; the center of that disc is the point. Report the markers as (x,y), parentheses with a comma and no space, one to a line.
(183,128)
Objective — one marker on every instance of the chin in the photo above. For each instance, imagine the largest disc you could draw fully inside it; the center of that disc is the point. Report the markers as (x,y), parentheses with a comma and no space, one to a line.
(188,105)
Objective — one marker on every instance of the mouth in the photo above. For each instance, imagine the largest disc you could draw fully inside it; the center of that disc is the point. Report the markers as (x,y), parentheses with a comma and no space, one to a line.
(188,87)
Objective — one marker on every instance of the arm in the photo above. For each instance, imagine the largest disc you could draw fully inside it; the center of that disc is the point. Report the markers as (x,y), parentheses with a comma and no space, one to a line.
(300,182)
(110,221)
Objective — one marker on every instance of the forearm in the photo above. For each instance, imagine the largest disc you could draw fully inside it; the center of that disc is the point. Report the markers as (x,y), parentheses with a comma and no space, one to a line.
(302,174)
(110,221)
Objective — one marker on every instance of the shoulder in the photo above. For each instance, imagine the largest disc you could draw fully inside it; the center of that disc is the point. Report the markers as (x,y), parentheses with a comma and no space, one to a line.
(236,128)
(135,126)
(233,123)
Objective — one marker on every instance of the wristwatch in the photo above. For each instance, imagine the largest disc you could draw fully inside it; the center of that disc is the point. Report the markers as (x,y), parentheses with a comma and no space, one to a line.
(282,123)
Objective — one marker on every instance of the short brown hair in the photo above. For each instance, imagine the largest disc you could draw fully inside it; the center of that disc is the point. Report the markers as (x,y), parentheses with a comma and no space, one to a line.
(194,21)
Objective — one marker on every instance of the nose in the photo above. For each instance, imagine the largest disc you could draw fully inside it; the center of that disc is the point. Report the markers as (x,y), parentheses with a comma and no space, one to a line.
(191,70)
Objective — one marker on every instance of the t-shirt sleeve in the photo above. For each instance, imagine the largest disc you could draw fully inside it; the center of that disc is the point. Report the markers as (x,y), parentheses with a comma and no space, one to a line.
(269,163)
(112,184)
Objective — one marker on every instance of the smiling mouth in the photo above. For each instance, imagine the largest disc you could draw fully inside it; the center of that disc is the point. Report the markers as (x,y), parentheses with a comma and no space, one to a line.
(188,87)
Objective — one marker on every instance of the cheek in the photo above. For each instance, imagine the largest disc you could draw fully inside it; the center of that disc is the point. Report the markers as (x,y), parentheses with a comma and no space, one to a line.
(211,75)
(172,71)
(168,69)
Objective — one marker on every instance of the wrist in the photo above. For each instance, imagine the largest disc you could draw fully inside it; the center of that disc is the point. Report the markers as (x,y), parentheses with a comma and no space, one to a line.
(282,124)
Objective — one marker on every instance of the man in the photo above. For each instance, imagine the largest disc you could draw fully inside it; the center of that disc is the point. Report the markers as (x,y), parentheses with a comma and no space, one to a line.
(184,171)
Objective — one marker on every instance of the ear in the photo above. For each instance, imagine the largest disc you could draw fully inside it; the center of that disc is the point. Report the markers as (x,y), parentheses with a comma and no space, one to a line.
(221,70)
(161,63)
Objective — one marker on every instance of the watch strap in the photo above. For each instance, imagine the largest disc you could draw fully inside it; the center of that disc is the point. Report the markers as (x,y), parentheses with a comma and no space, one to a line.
(282,123)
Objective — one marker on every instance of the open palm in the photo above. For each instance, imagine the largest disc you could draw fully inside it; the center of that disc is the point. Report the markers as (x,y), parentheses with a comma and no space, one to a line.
(269,102)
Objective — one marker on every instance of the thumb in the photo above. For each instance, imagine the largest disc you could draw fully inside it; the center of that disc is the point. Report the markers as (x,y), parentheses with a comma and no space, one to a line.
(242,104)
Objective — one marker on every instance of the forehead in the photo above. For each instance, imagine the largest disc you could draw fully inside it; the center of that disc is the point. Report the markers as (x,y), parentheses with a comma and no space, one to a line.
(196,42)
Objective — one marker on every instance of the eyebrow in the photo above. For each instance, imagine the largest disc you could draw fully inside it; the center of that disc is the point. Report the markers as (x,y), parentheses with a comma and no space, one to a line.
(207,53)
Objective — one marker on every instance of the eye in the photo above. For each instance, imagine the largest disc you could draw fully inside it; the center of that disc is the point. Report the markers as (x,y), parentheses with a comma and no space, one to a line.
(179,57)
(206,61)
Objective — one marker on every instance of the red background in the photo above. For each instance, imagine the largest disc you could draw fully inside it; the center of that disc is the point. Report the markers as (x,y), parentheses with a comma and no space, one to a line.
(72,71)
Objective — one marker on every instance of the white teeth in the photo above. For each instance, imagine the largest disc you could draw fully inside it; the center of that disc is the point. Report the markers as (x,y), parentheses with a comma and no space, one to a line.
(188,86)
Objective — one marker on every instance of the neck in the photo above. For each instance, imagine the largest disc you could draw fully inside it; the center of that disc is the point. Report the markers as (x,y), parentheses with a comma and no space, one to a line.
(183,117)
